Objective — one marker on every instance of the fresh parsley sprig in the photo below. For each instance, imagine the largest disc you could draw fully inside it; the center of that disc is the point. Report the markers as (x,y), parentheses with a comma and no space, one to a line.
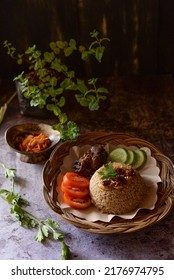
(28,219)
(68,131)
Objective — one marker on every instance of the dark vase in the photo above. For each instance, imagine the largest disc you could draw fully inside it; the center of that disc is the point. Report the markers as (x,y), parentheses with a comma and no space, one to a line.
(28,110)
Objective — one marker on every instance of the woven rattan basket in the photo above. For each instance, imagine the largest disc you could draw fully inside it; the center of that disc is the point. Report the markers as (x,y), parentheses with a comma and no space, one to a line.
(144,218)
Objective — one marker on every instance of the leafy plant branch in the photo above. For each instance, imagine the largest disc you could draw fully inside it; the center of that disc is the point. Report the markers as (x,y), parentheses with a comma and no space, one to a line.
(28,219)
(96,47)
(48,77)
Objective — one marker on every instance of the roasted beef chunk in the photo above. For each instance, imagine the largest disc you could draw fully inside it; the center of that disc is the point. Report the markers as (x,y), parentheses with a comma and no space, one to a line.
(94,158)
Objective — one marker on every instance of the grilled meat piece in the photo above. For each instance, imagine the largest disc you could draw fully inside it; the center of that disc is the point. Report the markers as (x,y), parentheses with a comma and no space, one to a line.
(94,158)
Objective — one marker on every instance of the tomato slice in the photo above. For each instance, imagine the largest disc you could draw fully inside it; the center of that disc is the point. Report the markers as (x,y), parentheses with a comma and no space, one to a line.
(77,203)
(75,180)
(74,191)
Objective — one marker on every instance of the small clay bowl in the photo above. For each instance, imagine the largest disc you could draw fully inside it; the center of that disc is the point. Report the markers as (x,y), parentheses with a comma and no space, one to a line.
(13,132)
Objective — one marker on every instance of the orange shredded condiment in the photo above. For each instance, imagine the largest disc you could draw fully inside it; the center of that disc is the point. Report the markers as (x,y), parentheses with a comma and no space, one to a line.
(33,143)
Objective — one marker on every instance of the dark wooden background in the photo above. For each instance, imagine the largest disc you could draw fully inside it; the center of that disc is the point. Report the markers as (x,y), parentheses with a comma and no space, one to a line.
(141,32)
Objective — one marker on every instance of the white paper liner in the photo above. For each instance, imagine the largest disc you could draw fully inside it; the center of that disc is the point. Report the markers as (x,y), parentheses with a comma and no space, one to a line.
(149,172)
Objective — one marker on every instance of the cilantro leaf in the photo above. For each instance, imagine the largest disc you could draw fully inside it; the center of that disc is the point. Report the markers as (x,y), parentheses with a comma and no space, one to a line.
(12,197)
(9,172)
(65,251)
(108,172)
(45,230)
(58,236)
(39,236)
(23,217)
(28,219)
(68,131)
(52,223)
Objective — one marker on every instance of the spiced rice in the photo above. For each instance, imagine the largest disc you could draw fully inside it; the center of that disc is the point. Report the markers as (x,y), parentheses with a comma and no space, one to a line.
(121,199)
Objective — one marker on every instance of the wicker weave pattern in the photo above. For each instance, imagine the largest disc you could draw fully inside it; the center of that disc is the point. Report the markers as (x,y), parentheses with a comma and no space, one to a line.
(144,218)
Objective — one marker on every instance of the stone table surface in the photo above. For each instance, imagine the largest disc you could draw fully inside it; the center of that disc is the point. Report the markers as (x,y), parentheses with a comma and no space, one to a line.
(140,106)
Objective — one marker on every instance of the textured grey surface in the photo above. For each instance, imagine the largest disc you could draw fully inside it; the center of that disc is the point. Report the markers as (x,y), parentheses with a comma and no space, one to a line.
(154,242)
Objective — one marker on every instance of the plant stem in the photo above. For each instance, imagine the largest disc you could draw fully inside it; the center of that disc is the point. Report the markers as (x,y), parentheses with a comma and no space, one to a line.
(4,107)
(11,98)
(32,215)
(3,166)
(2,197)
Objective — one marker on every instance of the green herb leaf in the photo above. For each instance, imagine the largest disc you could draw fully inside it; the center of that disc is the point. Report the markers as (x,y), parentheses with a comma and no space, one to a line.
(99,53)
(68,51)
(63,118)
(94,34)
(93,103)
(48,76)
(55,109)
(61,101)
(28,219)
(9,172)
(108,172)
(52,224)
(62,44)
(68,131)
(102,90)
(92,81)
(45,230)
(65,251)
(12,197)
(49,56)
(67,83)
(39,236)
(84,55)
(58,236)
(23,217)
(82,100)
(81,48)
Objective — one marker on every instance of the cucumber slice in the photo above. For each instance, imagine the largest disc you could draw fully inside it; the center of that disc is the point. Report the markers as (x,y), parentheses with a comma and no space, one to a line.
(139,159)
(131,157)
(118,155)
